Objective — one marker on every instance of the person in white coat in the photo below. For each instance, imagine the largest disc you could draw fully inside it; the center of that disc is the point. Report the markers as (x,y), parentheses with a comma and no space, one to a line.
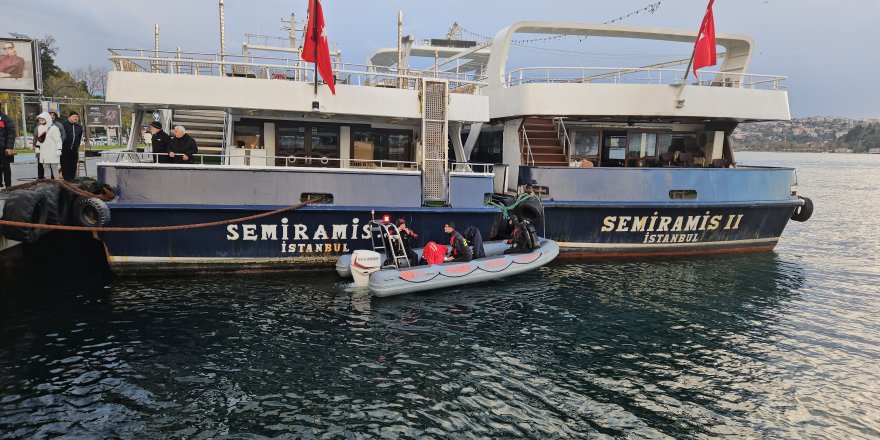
(49,141)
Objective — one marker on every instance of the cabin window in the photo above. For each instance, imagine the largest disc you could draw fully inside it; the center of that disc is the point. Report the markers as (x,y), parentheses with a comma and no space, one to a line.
(248,134)
(683,194)
(328,198)
(382,144)
(299,144)
(584,143)
(488,148)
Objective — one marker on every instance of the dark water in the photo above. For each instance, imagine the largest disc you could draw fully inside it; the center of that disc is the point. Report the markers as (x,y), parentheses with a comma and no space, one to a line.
(774,345)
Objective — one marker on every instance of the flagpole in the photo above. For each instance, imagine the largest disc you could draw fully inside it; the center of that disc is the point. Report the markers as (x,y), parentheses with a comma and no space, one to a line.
(690,62)
(315,40)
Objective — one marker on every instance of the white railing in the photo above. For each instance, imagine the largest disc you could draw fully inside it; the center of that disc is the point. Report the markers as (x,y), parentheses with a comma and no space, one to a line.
(530,158)
(562,134)
(271,68)
(293,161)
(638,75)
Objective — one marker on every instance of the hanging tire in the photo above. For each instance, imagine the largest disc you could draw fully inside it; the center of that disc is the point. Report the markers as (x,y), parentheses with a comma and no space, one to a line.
(88,184)
(26,207)
(91,212)
(803,213)
(58,203)
(530,210)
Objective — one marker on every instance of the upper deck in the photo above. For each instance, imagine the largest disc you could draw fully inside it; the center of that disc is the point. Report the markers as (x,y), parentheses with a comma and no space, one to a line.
(154,79)
(656,92)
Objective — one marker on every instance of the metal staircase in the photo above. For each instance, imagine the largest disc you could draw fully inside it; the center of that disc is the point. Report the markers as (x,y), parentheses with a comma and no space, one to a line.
(540,143)
(207,127)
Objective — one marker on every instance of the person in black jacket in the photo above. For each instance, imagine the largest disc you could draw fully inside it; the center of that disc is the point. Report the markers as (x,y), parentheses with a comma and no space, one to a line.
(73,134)
(7,143)
(183,146)
(461,252)
(161,142)
(475,238)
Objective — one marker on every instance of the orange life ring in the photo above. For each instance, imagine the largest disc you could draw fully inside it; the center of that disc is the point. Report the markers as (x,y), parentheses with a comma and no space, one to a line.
(278,76)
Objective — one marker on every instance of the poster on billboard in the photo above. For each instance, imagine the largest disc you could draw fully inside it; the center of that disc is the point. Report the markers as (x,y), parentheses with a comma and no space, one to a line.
(102,114)
(19,64)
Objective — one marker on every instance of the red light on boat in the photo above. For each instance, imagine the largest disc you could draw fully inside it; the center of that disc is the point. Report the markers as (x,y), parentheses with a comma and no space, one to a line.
(386,218)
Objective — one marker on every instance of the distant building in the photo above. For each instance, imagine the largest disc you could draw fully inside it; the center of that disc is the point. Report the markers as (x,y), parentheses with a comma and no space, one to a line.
(874,150)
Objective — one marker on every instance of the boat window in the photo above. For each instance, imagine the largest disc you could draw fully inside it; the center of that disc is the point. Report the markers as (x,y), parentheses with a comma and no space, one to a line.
(248,134)
(324,142)
(328,198)
(585,143)
(291,142)
(488,148)
(682,194)
(642,149)
(382,144)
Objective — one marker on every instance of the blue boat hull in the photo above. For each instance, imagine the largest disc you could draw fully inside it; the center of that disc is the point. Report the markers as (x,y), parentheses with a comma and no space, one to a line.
(628,230)
(308,237)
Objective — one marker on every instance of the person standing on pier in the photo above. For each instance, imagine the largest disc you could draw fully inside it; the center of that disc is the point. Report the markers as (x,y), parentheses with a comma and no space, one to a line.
(160,141)
(7,143)
(183,146)
(70,146)
(49,140)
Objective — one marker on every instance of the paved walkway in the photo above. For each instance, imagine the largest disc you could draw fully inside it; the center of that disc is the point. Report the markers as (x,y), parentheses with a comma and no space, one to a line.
(24,169)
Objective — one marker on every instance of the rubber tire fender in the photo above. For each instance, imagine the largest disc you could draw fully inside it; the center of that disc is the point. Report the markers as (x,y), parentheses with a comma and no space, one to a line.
(91,212)
(58,206)
(530,210)
(28,207)
(803,213)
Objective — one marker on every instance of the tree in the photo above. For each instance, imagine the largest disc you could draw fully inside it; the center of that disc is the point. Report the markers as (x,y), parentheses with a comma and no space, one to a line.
(94,78)
(48,50)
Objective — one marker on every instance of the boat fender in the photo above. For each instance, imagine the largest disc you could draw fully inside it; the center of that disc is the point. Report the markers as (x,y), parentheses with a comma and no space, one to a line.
(58,203)
(91,212)
(28,207)
(530,210)
(531,233)
(804,212)
(325,160)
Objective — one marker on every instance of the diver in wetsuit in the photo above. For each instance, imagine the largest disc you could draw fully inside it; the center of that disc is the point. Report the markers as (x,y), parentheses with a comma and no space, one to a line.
(520,239)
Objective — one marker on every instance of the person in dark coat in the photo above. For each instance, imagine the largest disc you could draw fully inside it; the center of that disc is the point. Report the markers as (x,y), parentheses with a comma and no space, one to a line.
(183,146)
(519,238)
(475,238)
(73,134)
(161,142)
(461,252)
(7,143)
(408,238)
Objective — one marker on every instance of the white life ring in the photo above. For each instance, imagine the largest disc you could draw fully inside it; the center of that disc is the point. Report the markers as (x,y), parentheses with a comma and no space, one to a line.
(325,160)
(291,159)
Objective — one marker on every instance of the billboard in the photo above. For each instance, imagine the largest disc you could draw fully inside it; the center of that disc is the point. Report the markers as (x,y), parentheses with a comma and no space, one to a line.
(19,64)
(102,114)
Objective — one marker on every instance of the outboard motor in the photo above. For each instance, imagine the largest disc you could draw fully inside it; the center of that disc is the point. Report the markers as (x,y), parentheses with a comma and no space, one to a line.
(363,264)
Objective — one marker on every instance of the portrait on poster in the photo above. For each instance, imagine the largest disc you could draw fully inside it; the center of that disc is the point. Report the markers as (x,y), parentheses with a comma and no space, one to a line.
(18,65)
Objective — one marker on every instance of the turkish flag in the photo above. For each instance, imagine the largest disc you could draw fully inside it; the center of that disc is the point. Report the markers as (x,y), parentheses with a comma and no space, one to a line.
(316,43)
(704,48)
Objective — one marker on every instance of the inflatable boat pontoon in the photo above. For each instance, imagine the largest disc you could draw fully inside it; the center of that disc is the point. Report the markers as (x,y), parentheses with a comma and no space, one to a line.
(393,276)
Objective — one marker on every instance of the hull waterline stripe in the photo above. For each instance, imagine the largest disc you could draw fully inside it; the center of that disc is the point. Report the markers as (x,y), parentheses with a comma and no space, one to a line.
(564,244)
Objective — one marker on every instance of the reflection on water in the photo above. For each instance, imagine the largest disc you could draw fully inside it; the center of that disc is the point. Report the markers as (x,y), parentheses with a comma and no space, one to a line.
(780,344)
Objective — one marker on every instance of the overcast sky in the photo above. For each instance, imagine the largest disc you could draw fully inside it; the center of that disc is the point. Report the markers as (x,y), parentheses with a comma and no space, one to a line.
(827,48)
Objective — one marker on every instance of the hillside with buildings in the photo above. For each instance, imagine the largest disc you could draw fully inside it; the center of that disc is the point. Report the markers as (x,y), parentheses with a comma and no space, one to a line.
(813,134)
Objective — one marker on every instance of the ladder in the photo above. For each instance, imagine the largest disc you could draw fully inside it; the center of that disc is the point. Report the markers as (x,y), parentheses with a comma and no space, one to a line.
(389,243)
(435,129)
